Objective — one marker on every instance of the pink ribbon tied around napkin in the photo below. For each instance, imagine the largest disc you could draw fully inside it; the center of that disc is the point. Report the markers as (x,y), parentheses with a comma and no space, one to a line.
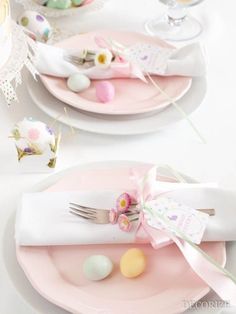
(209,270)
(122,65)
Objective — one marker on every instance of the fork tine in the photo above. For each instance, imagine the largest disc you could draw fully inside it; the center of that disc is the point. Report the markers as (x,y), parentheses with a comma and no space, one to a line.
(84,208)
(81,214)
(74,60)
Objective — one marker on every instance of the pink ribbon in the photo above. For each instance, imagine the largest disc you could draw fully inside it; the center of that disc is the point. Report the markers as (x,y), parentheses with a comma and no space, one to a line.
(120,67)
(217,278)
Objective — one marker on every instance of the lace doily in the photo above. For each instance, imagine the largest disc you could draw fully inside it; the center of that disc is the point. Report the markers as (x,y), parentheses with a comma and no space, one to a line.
(50,12)
(23,54)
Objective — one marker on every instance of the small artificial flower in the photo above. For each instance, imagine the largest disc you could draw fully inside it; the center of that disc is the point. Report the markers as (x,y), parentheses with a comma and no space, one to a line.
(124,223)
(103,58)
(123,203)
(113,216)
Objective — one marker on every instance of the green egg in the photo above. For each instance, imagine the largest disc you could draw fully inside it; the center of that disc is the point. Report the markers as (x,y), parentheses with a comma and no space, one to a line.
(59,4)
(77,2)
(97,267)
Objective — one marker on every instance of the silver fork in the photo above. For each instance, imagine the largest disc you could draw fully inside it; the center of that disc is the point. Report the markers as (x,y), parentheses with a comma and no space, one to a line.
(99,216)
(86,57)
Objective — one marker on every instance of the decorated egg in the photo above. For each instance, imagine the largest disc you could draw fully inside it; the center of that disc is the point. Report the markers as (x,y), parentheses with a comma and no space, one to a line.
(36,24)
(78,82)
(59,4)
(32,134)
(105,91)
(133,263)
(97,267)
(77,2)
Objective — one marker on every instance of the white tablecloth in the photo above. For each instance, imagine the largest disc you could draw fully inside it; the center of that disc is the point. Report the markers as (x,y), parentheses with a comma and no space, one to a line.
(177,145)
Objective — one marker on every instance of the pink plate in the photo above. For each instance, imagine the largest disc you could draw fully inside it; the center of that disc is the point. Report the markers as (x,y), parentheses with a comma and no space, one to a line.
(168,285)
(132,95)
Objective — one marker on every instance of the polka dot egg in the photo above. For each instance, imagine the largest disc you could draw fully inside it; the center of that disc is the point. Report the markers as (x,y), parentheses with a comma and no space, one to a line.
(35,132)
(36,24)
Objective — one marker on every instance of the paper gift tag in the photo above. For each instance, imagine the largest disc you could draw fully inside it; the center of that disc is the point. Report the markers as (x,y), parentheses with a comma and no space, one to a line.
(150,58)
(189,221)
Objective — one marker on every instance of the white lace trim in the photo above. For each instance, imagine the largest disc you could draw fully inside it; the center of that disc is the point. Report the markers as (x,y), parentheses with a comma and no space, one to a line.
(50,12)
(23,54)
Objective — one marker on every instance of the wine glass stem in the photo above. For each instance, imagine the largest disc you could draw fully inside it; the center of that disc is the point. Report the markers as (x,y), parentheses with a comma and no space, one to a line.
(176,15)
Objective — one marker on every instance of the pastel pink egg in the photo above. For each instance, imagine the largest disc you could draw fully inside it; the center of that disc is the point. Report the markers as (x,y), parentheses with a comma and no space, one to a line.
(105,91)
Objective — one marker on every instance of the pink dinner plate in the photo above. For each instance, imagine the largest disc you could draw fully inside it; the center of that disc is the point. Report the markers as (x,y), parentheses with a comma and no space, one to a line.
(167,286)
(132,95)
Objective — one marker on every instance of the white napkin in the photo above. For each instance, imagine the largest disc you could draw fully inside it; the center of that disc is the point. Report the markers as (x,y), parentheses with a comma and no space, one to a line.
(44,219)
(186,61)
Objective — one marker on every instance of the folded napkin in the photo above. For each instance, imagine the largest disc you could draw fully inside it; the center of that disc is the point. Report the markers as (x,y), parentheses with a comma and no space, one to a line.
(186,61)
(44,219)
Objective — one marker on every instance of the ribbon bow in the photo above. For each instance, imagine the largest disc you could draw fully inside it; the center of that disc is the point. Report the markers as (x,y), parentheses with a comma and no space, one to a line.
(124,65)
(208,269)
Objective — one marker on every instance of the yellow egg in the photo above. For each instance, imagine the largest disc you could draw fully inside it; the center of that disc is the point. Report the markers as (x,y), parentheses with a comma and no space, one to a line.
(133,263)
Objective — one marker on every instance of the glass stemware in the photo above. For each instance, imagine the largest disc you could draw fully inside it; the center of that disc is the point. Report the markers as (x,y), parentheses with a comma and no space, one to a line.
(176,24)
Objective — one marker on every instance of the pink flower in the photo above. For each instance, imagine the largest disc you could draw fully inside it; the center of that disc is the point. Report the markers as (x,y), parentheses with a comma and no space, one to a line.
(123,203)
(113,216)
(124,223)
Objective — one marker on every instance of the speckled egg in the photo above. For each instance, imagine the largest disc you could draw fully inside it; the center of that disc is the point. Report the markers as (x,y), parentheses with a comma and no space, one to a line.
(105,91)
(34,132)
(97,267)
(37,24)
(59,4)
(133,263)
(78,82)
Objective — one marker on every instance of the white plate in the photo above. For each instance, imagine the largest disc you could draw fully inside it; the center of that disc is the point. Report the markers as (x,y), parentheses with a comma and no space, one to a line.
(125,125)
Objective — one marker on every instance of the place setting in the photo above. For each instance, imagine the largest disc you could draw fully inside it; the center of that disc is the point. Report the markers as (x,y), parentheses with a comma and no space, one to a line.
(114,82)
(89,243)
(111,94)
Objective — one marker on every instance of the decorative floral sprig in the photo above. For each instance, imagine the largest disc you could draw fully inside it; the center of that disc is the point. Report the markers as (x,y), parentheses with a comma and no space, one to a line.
(124,223)
(103,58)
(122,212)
(123,203)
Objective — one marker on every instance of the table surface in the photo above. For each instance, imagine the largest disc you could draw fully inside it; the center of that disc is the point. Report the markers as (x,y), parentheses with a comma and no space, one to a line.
(177,145)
